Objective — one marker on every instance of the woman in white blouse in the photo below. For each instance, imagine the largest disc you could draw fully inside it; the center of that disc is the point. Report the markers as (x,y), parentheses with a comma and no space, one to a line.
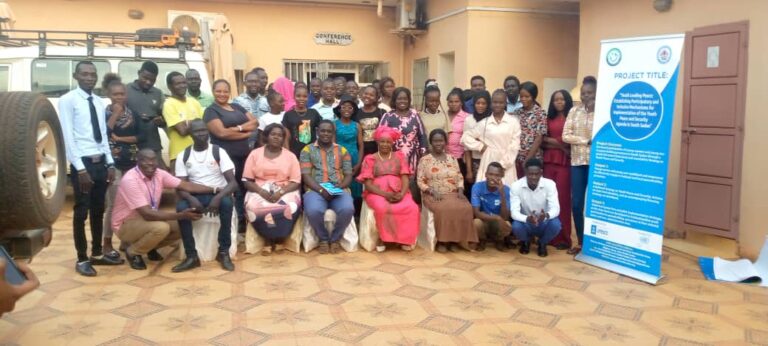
(496,138)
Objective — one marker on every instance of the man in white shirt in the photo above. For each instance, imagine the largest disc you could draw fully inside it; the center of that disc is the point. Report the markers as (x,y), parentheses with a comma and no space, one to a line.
(208,165)
(535,208)
(326,104)
(83,125)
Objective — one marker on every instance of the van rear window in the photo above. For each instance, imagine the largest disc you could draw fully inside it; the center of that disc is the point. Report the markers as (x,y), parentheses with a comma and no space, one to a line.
(129,70)
(53,77)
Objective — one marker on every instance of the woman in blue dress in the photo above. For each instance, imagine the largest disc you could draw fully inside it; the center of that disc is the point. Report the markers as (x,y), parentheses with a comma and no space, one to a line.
(349,134)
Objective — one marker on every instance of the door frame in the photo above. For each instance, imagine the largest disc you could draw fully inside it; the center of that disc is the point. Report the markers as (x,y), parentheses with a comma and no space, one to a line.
(741,82)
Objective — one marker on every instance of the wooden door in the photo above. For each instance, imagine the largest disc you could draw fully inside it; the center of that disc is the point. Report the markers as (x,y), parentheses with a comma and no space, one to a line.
(714,93)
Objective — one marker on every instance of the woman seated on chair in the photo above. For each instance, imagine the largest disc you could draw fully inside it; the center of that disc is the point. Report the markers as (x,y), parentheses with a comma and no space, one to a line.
(272,177)
(385,176)
(442,186)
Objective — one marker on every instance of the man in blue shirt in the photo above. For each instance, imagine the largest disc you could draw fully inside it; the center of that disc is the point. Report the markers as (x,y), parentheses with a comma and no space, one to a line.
(477,84)
(512,87)
(315,85)
(490,209)
(83,125)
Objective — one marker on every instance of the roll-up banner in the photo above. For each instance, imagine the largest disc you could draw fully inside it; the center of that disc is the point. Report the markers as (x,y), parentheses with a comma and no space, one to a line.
(626,194)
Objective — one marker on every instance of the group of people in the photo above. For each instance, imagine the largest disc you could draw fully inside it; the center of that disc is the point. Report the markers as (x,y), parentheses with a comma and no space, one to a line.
(488,167)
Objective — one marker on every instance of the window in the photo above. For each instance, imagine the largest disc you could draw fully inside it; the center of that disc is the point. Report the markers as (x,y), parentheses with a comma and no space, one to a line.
(5,80)
(53,77)
(361,72)
(129,69)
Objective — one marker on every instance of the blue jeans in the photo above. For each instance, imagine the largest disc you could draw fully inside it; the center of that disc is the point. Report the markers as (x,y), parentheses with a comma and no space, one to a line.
(579,177)
(546,231)
(314,210)
(225,215)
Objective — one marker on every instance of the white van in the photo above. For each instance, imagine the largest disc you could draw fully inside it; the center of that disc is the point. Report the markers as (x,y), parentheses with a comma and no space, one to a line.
(49,70)
(35,71)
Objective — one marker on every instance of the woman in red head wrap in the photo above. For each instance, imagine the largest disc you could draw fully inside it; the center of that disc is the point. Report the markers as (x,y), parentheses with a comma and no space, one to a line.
(385,175)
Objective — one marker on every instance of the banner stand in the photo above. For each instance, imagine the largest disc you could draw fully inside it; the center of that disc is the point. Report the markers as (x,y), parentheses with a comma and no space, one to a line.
(635,274)
(626,193)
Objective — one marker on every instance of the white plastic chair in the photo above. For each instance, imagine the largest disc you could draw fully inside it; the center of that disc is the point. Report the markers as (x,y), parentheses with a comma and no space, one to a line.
(254,242)
(369,235)
(427,236)
(348,240)
(206,233)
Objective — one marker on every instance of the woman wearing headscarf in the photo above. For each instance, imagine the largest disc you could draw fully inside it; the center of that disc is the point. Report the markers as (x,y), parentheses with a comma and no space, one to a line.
(496,137)
(284,87)
(385,175)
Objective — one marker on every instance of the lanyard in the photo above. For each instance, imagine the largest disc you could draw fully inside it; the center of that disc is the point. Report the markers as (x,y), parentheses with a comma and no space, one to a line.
(151,192)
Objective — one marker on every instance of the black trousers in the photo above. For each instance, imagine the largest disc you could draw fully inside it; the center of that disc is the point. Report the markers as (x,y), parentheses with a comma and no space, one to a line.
(89,204)
(239,162)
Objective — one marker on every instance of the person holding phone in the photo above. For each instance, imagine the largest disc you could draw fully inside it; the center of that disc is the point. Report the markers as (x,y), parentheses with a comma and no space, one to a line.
(137,218)
(208,165)
(11,292)
(535,208)
(326,162)
(490,202)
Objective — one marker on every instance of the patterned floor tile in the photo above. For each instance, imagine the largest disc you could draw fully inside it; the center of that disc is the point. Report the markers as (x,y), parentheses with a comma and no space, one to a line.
(445,324)
(347,331)
(139,310)
(240,336)
(536,318)
(415,292)
(599,330)
(330,297)
(239,303)
(128,340)
(391,298)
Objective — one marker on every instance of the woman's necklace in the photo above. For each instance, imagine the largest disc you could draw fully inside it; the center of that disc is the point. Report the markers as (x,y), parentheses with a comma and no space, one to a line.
(382,158)
(205,155)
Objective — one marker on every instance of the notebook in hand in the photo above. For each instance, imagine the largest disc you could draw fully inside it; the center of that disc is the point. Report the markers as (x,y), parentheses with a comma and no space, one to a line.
(331,188)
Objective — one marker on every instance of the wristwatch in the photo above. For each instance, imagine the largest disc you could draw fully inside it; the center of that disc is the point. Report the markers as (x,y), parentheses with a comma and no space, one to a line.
(240,128)
(214,189)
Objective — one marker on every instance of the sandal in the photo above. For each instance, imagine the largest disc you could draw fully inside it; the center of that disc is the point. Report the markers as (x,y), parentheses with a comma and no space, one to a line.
(266,250)
(574,250)
(406,247)
(562,246)
(441,248)
(323,248)
(335,248)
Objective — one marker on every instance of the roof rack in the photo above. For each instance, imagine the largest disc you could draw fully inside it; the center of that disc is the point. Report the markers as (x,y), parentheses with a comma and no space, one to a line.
(150,38)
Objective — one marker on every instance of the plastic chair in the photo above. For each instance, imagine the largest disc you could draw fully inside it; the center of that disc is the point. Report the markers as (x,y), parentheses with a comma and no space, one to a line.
(348,240)
(254,242)
(206,233)
(427,236)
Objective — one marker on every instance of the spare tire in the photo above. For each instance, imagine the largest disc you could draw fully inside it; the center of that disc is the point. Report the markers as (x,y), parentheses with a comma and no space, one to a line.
(32,162)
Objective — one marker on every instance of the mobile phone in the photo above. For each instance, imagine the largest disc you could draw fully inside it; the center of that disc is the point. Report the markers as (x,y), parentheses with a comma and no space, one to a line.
(13,275)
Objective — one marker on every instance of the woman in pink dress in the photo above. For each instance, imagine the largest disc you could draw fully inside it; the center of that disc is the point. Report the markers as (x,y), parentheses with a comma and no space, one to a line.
(385,175)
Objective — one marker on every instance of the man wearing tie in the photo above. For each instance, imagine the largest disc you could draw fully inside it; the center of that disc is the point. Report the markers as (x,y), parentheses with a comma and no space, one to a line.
(84,128)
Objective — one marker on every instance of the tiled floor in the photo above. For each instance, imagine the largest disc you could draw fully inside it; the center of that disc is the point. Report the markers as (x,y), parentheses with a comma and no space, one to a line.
(394,298)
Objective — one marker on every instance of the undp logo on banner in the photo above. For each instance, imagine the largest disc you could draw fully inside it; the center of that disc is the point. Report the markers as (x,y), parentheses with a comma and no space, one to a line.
(613,57)
(664,54)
